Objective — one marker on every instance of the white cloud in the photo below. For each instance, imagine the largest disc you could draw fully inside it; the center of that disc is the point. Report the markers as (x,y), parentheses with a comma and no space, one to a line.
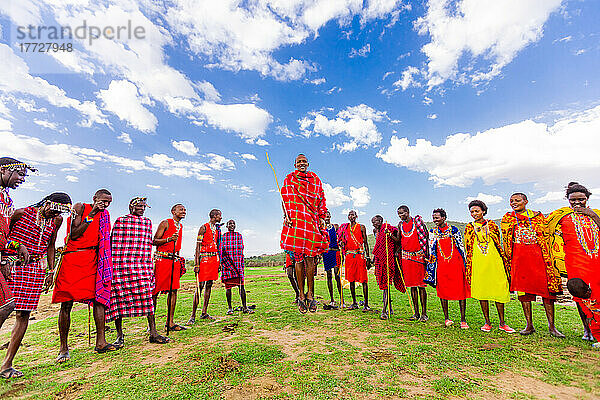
(356,123)
(186,147)
(46,124)
(123,99)
(247,156)
(345,211)
(490,31)
(427,101)
(360,196)
(556,196)
(243,36)
(245,189)
(522,152)
(209,91)
(408,78)
(488,199)
(317,81)
(334,196)
(125,138)
(72,178)
(432,116)
(249,120)
(261,142)
(29,185)
(15,78)
(362,52)
(153,186)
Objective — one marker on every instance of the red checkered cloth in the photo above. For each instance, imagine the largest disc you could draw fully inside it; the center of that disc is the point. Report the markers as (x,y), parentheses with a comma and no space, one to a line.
(421,232)
(304,202)
(132,268)
(232,256)
(385,260)
(6,209)
(27,280)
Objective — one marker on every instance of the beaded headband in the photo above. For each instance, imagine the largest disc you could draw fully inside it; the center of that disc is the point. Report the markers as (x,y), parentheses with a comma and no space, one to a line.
(60,207)
(137,200)
(16,166)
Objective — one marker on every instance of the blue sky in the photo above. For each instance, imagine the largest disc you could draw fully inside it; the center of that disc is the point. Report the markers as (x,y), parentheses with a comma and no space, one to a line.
(425,103)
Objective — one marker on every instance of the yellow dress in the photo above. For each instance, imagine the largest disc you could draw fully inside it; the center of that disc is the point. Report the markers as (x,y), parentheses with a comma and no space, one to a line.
(488,278)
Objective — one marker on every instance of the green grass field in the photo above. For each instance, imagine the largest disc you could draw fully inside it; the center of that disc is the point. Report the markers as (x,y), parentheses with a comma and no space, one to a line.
(279,353)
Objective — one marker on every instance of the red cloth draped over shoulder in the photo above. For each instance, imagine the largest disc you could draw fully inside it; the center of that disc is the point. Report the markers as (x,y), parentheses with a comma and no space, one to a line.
(209,262)
(164,265)
(76,278)
(577,262)
(385,260)
(304,201)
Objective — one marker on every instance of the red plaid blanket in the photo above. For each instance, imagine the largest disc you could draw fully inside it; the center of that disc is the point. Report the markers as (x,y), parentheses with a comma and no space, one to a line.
(383,254)
(132,271)
(304,201)
(232,256)
(421,232)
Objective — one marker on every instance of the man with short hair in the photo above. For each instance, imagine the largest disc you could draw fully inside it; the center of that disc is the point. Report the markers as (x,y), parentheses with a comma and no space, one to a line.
(352,239)
(168,266)
(331,262)
(527,248)
(303,236)
(85,270)
(413,251)
(207,262)
(232,265)
(12,174)
(133,272)
(446,269)
(35,227)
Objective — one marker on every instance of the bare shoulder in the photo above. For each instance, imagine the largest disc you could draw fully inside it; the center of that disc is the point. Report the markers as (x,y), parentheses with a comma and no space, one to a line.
(78,207)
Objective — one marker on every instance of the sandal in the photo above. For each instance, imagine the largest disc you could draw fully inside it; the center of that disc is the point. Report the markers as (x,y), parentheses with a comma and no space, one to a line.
(159,339)
(302,306)
(354,306)
(367,309)
(63,358)
(206,316)
(424,318)
(248,311)
(415,317)
(11,373)
(229,312)
(108,348)
(177,328)
(312,306)
(191,321)
(119,343)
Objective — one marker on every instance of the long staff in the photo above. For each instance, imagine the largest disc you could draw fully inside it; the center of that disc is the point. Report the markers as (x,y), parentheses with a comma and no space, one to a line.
(278,187)
(404,284)
(387,272)
(342,269)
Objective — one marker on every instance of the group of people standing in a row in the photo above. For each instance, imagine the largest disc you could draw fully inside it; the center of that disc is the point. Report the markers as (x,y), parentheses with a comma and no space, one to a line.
(527,254)
(111,270)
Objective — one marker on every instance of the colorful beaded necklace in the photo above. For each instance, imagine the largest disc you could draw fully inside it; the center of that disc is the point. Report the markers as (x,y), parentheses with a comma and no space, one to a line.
(484,243)
(410,233)
(441,235)
(580,222)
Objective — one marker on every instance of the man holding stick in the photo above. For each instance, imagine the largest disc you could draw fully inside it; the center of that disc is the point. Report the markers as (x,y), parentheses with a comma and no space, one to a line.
(168,266)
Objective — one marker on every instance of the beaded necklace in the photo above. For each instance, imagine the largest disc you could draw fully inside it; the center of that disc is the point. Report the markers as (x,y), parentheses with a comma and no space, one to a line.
(441,235)
(412,229)
(580,222)
(484,243)
(6,203)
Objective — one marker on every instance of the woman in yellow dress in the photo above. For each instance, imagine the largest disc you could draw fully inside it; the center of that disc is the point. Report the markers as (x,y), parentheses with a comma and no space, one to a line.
(488,270)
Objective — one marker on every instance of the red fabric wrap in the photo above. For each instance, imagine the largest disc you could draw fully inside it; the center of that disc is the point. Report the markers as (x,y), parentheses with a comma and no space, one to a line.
(27,280)
(386,268)
(304,202)
(76,278)
(164,266)
(209,265)
(232,256)
(133,273)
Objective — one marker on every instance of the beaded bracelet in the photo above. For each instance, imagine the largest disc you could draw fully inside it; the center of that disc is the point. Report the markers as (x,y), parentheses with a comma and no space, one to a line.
(13,244)
(88,220)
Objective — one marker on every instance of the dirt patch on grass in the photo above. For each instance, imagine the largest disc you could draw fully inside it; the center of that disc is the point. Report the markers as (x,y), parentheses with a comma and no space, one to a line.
(259,388)
(71,391)
(509,382)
